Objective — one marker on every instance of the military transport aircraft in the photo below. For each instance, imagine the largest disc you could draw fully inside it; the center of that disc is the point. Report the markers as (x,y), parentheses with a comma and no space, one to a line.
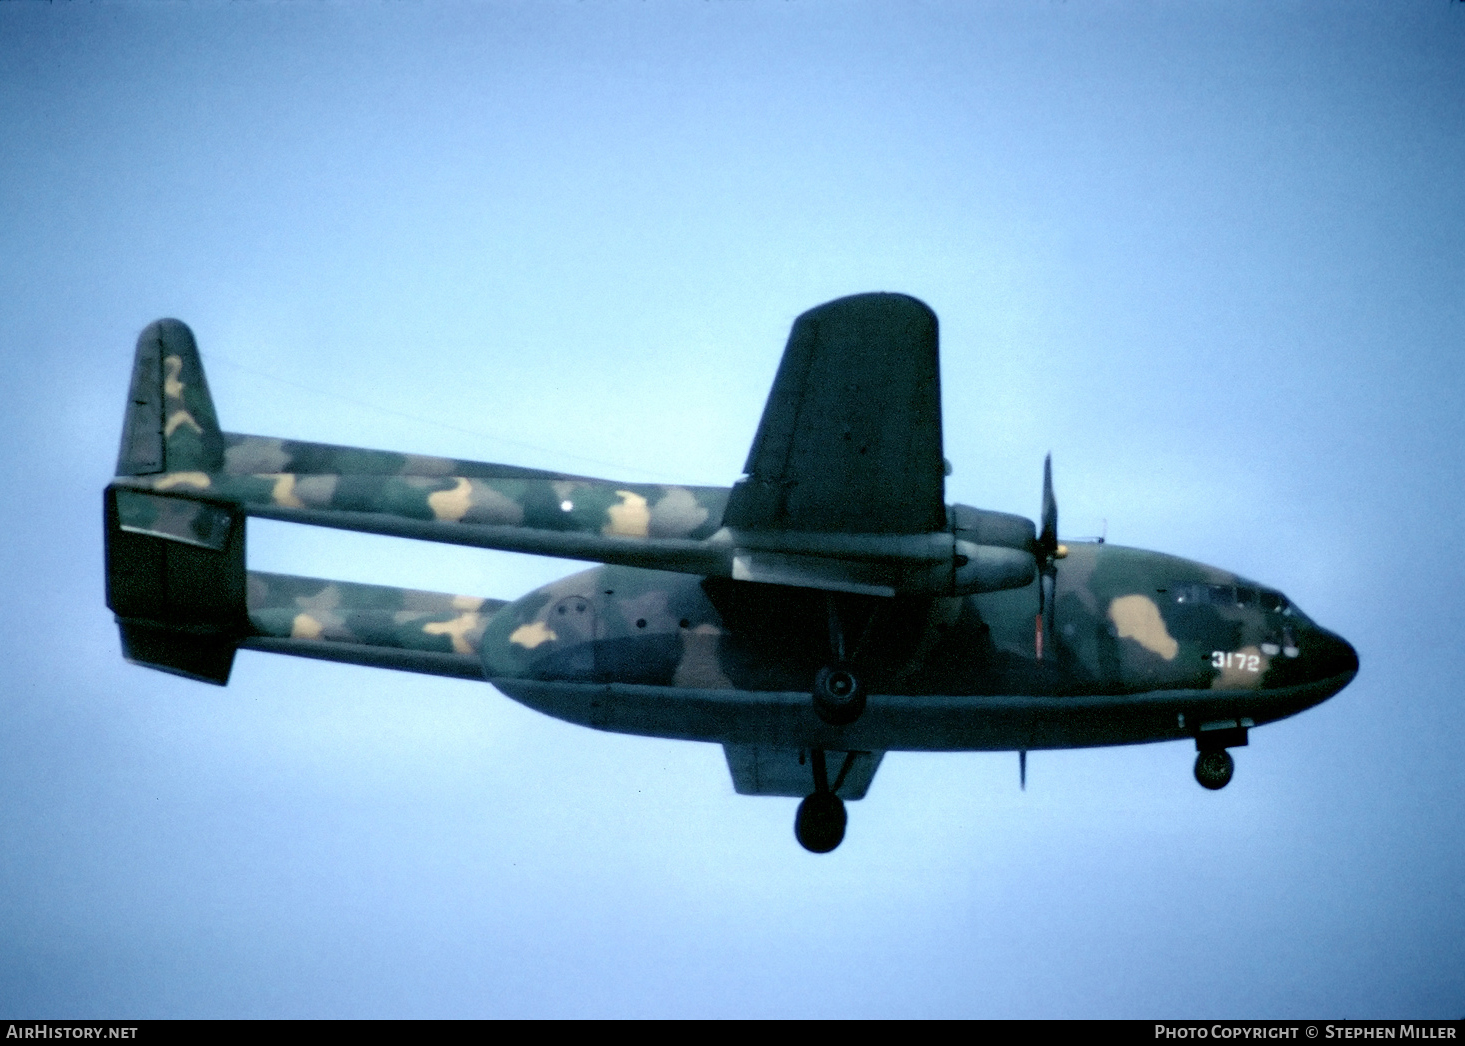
(826,609)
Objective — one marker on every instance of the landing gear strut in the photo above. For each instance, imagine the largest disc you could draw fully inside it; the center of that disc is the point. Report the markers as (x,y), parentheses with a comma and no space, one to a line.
(819,825)
(838,696)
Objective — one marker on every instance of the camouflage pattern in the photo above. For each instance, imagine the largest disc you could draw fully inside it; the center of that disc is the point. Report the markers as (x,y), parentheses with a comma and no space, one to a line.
(261,474)
(170,423)
(1120,630)
(667,527)
(1132,659)
(313,610)
(190,427)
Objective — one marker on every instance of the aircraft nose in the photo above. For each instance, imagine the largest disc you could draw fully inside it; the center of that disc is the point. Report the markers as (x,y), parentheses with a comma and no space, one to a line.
(1335,657)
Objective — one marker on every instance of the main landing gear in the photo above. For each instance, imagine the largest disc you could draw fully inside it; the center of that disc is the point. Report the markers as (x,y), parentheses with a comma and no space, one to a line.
(820,822)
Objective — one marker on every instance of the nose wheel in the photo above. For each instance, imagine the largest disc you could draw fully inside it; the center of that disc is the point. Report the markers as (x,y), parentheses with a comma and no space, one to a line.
(1213,764)
(1214,769)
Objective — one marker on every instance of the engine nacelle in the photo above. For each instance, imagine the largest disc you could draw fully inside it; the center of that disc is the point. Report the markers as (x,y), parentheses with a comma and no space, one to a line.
(991,568)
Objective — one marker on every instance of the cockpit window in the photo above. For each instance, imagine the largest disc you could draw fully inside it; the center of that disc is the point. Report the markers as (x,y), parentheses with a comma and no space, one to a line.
(1232,596)
(1189,593)
(1204,595)
(1274,602)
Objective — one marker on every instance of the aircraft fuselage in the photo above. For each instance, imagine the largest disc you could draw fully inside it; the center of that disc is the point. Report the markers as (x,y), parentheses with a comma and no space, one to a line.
(1141,646)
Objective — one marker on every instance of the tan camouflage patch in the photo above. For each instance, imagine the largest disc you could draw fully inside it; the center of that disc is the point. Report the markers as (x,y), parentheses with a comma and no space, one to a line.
(452,505)
(630,519)
(182,479)
(468,602)
(532,634)
(458,629)
(283,493)
(1136,617)
(177,418)
(305,627)
(172,367)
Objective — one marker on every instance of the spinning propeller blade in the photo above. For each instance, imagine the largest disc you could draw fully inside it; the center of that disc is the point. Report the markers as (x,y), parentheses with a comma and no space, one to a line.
(1049,553)
(1048,537)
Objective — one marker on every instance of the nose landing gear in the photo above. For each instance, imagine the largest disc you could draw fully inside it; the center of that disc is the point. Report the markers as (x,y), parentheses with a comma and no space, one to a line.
(1214,769)
(1213,764)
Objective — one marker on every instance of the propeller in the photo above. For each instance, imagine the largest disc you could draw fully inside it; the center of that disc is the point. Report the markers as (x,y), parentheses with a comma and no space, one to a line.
(1048,537)
(1049,553)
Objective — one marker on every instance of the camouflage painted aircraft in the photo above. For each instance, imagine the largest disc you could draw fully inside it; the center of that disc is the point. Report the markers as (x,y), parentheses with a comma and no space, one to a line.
(826,609)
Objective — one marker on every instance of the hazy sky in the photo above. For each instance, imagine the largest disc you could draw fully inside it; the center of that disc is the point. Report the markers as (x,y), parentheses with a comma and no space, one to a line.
(1211,255)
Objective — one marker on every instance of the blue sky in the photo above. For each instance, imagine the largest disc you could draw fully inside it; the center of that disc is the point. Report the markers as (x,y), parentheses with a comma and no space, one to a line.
(1208,255)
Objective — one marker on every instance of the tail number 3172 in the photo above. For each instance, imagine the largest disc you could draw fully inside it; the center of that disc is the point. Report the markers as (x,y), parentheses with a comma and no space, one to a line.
(1242,662)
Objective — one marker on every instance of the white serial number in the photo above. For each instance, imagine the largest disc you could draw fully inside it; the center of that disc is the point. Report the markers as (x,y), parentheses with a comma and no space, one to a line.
(1244,662)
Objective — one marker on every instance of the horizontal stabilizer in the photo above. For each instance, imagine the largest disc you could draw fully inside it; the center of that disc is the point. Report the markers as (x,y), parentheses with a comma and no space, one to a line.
(764,770)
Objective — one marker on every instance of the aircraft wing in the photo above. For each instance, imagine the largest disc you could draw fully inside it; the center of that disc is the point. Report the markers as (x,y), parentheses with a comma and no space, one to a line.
(850,440)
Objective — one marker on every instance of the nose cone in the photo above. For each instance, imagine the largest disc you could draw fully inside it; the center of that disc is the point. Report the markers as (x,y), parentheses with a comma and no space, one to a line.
(1334,657)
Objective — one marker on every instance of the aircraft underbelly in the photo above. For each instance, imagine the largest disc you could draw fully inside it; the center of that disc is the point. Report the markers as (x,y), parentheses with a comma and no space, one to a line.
(906,723)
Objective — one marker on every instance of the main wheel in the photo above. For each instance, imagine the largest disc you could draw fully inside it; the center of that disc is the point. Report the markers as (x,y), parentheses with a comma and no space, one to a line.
(838,697)
(819,825)
(1214,769)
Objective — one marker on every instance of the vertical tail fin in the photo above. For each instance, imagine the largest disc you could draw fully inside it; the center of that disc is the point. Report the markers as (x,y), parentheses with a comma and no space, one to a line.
(180,601)
(170,424)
